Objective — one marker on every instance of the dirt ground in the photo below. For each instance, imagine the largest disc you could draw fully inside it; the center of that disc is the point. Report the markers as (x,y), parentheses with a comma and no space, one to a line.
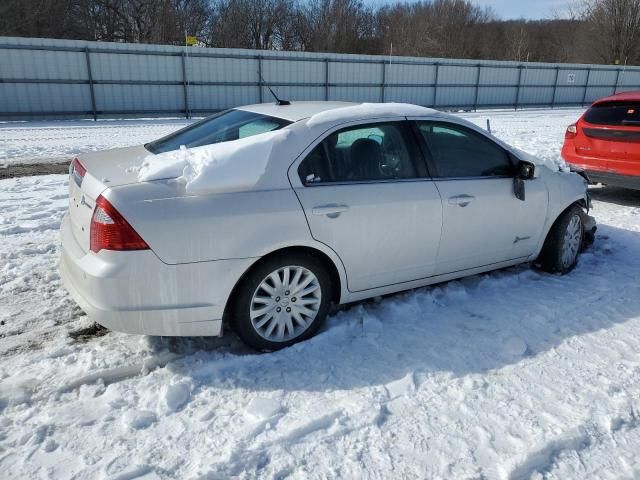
(27,170)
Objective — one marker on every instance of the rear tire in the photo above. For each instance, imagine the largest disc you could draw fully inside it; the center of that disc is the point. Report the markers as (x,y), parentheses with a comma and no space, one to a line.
(564,242)
(282,301)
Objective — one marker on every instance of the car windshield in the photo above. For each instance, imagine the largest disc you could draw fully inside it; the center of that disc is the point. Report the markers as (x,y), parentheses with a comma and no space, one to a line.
(614,113)
(221,127)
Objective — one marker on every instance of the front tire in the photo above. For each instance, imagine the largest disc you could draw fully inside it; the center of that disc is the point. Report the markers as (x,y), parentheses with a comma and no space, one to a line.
(282,301)
(564,242)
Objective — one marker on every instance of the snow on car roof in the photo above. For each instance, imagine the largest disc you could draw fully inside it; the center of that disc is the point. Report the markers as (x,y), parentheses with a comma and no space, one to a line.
(295,111)
(321,112)
(369,110)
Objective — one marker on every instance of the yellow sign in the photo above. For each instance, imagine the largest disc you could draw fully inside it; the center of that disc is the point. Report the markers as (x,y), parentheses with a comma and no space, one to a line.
(191,40)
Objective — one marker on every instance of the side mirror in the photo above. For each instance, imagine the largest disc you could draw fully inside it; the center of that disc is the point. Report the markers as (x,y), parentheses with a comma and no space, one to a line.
(526,170)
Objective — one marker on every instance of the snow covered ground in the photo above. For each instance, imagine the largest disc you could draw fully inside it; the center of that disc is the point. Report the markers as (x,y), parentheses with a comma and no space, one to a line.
(54,141)
(512,375)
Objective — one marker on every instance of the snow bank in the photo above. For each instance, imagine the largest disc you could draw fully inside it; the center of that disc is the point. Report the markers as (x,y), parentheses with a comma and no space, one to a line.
(139,419)
(263,408)
(176,395)
(221,167)
(367,109)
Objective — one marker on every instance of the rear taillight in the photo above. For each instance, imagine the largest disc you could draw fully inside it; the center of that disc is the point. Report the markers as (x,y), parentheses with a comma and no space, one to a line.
(572,131)
(110,231)
(77,171)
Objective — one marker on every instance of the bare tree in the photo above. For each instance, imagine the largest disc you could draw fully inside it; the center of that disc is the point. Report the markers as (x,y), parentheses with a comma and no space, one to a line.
(597,30)
(37,18)
(261,24)
(519,45)
(442,28)
(615,29)
(337,26)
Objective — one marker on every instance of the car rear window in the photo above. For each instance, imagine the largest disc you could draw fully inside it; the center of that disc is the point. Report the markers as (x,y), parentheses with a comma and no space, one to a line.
(614,113)
(221,127)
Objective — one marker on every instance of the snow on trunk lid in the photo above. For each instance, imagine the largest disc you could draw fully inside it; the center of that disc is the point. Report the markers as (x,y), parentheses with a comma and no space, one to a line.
(221,167)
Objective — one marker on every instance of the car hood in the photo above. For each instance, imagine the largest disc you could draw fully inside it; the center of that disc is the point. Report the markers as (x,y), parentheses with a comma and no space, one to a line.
(115,167)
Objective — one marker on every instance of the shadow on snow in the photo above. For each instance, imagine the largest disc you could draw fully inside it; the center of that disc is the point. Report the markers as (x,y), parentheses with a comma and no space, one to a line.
(468,326)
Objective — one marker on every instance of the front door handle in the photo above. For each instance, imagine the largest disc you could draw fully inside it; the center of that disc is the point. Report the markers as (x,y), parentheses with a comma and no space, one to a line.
(461,200)
(331,210)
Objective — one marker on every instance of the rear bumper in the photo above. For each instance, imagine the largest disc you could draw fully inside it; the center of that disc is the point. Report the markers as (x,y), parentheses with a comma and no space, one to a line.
(598,169)
(581,161)
(614,179)
(135,292)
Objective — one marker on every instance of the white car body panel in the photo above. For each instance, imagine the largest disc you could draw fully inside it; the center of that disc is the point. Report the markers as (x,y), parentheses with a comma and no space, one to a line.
(358,221)
(112,168)
(232,225)
(135,292)
(392,236)
(484,223)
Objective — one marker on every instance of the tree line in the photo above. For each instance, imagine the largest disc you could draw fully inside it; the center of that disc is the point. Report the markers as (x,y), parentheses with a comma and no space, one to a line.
(598,31)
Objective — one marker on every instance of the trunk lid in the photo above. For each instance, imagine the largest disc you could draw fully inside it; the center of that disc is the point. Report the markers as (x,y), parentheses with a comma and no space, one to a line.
(609,142)
(115,167)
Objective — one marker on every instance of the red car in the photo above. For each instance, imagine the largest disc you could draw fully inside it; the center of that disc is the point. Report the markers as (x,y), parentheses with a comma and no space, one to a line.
(605,141)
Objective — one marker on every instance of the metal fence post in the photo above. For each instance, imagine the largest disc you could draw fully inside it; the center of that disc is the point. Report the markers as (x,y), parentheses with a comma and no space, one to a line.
(518,89)
(259,78)
(586,87)
(185,87)
(384,77)
(90,76)
(555,88)
(326,79)
(615,87)
(475,100)
(435,86)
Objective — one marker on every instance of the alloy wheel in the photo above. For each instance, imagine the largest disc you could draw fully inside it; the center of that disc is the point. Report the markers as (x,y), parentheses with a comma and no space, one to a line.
(285,304)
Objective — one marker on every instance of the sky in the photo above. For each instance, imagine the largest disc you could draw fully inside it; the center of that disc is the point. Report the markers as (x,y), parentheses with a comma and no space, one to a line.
(510,9)
(529,9)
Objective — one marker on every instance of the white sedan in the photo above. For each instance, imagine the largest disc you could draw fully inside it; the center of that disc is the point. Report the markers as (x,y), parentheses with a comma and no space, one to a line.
(260,217)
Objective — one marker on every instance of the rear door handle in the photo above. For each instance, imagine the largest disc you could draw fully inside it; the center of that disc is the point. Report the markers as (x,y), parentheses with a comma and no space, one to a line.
(461,200)
(331,210)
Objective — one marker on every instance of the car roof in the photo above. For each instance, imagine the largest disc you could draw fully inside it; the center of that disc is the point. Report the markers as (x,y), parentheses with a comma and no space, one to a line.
(297,111)
(620,97)
(294,112)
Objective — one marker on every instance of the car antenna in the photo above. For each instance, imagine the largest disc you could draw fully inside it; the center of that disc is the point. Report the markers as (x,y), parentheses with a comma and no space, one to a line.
(278,101)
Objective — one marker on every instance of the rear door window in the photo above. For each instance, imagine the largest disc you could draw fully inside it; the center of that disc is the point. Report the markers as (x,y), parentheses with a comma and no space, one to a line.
(374,152)
(614,113)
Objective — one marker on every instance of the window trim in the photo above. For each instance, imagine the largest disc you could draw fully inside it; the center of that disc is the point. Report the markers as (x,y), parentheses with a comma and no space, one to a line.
(432,168)
(406,131)
(367,182)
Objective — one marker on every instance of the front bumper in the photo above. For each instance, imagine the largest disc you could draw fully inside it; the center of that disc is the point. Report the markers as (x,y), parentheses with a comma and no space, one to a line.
(135,292)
